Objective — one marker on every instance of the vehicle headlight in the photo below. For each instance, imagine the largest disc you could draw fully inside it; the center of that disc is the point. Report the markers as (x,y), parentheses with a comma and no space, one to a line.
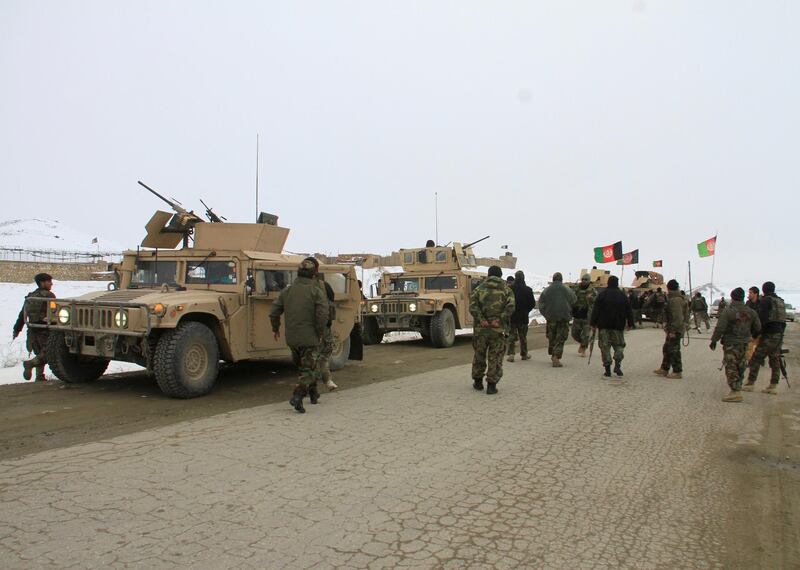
(121,319)
(412,307)
(63,315)
(374,308)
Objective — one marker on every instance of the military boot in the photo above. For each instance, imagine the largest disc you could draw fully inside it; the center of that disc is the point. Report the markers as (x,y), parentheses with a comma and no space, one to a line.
(771,389)
(733,396)
(330,384)
(582,351)
(617,368)
(675,375)
(607,372)
(478,384)
(491,388)
(313,393)
(27,368)
(557,362)
(660,372)
(749,387)
(510,358)
(40,377)
(297,399)
(526,357)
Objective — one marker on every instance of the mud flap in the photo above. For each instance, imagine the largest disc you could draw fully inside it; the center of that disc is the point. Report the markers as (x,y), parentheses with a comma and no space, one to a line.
(356,343)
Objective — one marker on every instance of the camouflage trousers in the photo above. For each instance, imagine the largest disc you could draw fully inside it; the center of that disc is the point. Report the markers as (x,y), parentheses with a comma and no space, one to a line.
(581,331)
(672,353)
(518,332)
(769,346)
(488,357)
(307,359)
(37,344)
(701,317)
(557,334)
(735,360)
(657,315)
(608,339)
(325,351)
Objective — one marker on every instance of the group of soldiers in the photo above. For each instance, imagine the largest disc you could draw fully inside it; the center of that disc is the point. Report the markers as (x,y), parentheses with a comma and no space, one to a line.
(750,333)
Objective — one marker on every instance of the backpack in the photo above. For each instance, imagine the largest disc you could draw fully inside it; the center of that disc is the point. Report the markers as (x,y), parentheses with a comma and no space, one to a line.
(777,309)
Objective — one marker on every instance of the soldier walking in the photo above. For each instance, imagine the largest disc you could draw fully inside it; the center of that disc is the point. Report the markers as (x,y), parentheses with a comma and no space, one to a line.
(326,349)
(736,325)
(306,308)
(524,303)
(772,316)
(674,328)
(555,304)
(636,306)
(610,315)
(581,313)
(700,311)
(491,305)
(35,312)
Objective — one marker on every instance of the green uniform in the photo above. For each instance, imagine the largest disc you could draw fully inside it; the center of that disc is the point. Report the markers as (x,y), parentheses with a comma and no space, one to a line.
(326,348)
(674,317)
(35,312)
(581,313)
(736,325)
(700,312)
(773,323)
(608,339)
(491,306)
(555,304)
(306,309)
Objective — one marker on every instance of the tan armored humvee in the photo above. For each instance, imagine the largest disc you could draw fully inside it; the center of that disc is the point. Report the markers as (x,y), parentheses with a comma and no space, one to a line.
(178,312)
(430,296)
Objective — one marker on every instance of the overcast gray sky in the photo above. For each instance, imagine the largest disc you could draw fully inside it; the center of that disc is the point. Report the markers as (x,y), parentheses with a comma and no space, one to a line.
(553,126)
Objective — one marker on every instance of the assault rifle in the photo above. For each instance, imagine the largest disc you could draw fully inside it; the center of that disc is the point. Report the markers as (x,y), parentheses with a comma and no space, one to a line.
(783,366)
(591,346)
(212,217)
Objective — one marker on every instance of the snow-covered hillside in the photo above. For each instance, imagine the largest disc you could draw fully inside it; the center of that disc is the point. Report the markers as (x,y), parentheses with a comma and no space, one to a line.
(36,233)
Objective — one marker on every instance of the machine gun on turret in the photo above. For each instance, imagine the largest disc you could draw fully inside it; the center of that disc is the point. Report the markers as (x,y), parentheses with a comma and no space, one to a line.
(212,217)
(182,222)
(469,245)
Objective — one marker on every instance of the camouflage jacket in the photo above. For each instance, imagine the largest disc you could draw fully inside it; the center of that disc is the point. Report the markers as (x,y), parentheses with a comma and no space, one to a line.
(675,313)
(36,311)
(306,307)
(492,302)
(699,305)
(584,300)
(737,325)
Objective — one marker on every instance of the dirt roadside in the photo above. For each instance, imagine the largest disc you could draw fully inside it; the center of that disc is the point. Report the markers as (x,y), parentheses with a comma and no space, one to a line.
(764,526)
(36,417)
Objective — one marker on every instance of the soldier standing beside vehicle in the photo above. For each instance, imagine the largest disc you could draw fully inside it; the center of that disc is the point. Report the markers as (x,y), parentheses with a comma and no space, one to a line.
(658,302)
(636,306)
(524,303)
(581,312)
(736,325)
(326,349)
(555,304)
(35,312)
(306,308)
(674,328)
(700,311)
(491,305)
(772,315)
(611,314)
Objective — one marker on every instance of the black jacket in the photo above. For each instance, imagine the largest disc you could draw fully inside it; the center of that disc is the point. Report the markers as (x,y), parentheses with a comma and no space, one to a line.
(767,326)
(612,310)
(524,303)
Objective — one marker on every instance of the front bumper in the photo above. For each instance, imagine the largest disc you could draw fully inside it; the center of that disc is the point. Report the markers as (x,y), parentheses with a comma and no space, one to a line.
(396,314)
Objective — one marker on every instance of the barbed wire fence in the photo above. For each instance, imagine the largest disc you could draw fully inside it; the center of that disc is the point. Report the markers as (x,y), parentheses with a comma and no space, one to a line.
(41,255)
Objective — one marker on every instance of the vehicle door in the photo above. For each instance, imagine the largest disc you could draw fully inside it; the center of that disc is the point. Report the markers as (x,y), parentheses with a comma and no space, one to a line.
(266,283)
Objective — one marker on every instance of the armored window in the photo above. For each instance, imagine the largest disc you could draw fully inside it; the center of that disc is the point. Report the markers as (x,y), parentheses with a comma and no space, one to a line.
(211,272)
(404,284)
(408,258)
(337,281)
(154,272)
(441,256)
(270,281)
(440,283)
(422,256)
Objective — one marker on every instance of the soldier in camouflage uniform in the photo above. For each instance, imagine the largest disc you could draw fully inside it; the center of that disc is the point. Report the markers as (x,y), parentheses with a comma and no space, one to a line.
(555,304)
(306,307)
(772,315)
(35,312)
(326,349)
(700,311)
(674,328)
(491,305)
(736,325)
(658,302)
(581,313)
(611,314)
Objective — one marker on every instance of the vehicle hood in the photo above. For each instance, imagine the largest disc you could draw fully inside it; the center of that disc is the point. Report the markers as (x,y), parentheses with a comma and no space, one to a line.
(152,296)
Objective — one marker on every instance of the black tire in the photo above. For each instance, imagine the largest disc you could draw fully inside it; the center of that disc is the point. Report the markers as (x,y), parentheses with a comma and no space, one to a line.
(443,329)
(371,334)
(187,361)
(72,368)
(341,353)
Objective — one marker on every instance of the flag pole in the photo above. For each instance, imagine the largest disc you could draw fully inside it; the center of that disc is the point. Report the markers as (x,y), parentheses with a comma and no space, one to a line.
(713,260)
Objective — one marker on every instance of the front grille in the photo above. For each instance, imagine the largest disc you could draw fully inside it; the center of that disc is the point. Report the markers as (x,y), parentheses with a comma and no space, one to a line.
(395,307)
(86,317)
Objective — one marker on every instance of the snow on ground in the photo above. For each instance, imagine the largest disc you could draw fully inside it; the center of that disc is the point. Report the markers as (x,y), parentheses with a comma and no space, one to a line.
(12,353)
(35,233)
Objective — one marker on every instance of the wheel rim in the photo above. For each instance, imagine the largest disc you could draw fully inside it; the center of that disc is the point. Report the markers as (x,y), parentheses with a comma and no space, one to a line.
(195,362)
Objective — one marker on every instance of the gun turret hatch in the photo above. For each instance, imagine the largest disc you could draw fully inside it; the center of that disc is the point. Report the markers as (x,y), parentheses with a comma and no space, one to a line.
(247,237)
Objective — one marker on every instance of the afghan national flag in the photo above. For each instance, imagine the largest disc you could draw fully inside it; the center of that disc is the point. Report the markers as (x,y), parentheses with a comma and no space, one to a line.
(630,258)
(658,263)
(608,253)
(707,248)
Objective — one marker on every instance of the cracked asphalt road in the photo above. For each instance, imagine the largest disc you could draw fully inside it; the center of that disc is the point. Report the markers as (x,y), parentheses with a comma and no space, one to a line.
(562,469)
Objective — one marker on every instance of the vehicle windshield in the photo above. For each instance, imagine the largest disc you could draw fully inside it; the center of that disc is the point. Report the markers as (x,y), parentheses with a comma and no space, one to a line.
(211,272)
(149,273)
(404,284)
(441,282)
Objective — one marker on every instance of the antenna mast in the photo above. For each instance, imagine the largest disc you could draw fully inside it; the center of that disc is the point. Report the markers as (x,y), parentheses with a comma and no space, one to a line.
(256,176)
(436,209)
